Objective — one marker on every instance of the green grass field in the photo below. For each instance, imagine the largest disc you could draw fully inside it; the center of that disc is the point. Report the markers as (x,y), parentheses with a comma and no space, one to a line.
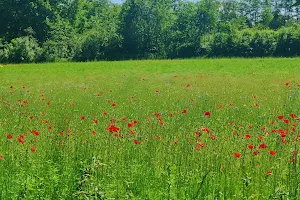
(180,129)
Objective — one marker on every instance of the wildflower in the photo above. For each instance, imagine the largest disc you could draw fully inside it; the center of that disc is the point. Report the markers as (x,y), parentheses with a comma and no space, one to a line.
(34,132)
(137,142)
(250,146)
(262,146)
(21,139)
(248,136)
(9,136)
(237,155)
(207,114)
(112,128)
(273,153)
(280,117)
(184,111)
(33,149)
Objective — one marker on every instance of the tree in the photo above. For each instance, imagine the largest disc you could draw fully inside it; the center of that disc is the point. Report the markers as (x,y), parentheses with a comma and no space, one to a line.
(144,24)
(267,15)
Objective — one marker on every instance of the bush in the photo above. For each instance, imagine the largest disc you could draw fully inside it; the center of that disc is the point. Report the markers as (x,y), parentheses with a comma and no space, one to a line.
(264,43)
(96,45)
(21,50)
(62,42)
(288,41)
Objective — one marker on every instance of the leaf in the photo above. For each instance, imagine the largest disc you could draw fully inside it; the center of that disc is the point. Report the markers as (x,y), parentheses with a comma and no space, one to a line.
(297,3)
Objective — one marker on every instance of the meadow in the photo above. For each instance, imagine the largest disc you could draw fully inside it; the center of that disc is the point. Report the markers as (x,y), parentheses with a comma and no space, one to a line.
(169,129)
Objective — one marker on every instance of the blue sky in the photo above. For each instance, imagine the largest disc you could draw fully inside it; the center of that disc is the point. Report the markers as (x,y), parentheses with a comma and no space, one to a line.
(116,1)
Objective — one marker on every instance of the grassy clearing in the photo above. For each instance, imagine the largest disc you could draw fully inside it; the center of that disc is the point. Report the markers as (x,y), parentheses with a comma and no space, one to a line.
(181,129)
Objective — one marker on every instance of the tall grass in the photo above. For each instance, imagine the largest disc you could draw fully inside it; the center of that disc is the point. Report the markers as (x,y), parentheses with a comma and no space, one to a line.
(174,129)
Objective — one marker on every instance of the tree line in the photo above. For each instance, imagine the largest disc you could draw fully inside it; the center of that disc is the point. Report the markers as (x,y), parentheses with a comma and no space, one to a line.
(86,30)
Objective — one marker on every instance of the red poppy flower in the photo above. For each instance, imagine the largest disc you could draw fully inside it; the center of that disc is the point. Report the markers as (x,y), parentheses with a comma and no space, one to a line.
(123,119)
(9,136)
(212,137)
(280,117)
(262,146)
(207,113)
(283,141)
(11,86)
(21,139)
(205,129)
(131,132)
(95,121)
(113,105)
(82,117)
(287,84)
(273,153)
(250,146)
(237,155)
(31,117)
(248,136)
(255,152)
(269,172)
(188,85)
(292,115)
(1,156)
(184,111)
(112,128)
(157,91)
(175,142)
(137,142)
(292,160)
(93,132)
(33,149)
(286,121)
(34,132)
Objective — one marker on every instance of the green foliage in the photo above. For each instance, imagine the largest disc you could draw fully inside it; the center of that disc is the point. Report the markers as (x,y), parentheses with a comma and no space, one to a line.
(21,50)
(62,42)
(98,45)
(297,3)
(264,43)
(83,30)
(289,41)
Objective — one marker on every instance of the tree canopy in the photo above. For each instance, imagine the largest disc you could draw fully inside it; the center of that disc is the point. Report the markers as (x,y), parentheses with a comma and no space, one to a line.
(83,30)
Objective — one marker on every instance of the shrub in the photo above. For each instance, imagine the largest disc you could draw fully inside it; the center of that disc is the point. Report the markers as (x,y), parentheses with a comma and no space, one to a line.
(263,43)
(22,50)
(96,45)
(288,41)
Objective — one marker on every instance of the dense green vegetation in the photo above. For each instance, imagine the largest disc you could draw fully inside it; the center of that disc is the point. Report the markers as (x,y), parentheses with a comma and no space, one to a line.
(86,30)
(181,129)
